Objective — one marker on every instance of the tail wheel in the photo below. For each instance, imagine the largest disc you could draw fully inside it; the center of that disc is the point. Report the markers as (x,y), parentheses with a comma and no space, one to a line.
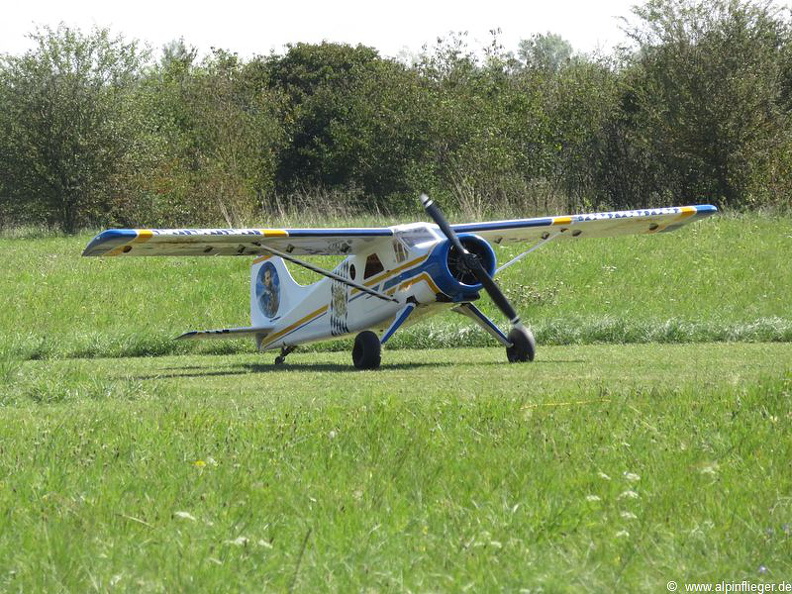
(523,346)
(367,352)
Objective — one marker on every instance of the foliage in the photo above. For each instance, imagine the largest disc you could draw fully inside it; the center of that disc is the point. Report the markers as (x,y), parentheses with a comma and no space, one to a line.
(548,52)
(216,126)
(351,120)
(706,87)
(92,132)
(68,126)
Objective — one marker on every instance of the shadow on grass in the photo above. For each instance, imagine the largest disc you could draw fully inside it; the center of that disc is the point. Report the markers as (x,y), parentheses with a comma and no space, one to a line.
(245,369)
(198,371)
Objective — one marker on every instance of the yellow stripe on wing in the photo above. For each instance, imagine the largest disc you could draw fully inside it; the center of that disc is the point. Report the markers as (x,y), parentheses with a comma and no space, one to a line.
(143,235)
(685,212)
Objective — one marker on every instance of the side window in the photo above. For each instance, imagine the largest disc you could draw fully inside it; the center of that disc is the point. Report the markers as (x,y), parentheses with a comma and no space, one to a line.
(373,266)
(399,251)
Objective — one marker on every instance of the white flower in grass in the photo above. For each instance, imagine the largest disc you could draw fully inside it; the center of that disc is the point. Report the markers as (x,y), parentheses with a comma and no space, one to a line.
(631,476)
(622,534)
(603,476)
(239,541)
(628,515)
(184,515)
(593,498)
(629,495)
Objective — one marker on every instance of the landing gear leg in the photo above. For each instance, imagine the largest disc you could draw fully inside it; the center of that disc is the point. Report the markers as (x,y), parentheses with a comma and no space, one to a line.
(280,359)
(367,352)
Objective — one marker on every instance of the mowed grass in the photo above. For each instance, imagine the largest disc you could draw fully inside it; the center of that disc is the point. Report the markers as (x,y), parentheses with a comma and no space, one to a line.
(596,468)
(637,452)
(723,279)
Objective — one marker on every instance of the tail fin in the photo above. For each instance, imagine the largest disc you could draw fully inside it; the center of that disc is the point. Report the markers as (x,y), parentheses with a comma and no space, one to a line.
(273,291)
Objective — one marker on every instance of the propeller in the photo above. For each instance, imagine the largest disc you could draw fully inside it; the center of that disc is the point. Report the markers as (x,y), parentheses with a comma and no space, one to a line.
(521,338)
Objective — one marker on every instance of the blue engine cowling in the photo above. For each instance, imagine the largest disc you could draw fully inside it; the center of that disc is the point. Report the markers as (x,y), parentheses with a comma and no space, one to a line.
(450,273)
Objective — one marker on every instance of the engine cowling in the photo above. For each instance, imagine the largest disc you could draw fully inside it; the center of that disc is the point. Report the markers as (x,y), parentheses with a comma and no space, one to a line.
(451,274)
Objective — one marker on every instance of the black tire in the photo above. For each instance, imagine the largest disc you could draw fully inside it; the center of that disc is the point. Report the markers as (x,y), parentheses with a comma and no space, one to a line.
(523,346)
(367,352)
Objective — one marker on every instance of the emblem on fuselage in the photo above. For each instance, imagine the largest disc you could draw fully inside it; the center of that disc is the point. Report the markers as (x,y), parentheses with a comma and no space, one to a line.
(268,290)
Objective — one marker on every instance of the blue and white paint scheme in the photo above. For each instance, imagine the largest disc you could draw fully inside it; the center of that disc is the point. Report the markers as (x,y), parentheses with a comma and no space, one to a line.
(390,277)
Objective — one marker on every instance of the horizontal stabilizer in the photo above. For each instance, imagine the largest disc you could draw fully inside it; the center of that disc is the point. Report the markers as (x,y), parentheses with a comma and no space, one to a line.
(257,331)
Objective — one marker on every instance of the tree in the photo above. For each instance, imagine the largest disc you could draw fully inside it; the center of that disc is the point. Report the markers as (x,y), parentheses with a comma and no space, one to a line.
(487,125)
(583,104)
(547,52)
(352,120)
(68,125)
(706,95)
(218,136)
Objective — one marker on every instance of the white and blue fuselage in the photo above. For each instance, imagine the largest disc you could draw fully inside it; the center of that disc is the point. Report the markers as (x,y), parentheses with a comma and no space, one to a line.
(414,267)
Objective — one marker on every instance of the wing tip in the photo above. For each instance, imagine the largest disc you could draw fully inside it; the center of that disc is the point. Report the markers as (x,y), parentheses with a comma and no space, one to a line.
(705,209)
(107,241)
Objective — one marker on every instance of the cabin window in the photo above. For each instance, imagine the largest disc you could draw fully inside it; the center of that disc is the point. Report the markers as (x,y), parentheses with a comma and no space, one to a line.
(399,251)
(373,266)
(417,236)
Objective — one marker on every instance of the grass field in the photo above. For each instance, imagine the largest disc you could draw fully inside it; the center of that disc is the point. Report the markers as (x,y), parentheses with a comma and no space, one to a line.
(598,468)
(649,441)
(726,278)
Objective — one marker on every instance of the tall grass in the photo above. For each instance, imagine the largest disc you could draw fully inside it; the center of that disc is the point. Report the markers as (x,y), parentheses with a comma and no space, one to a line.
(724,279)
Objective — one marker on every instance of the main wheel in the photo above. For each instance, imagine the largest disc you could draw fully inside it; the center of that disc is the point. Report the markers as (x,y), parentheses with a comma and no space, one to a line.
(367,352)
(523,346)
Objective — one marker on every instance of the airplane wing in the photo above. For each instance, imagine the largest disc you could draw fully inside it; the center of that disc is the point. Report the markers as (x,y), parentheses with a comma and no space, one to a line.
(600,224)
(232,242)
(342,241)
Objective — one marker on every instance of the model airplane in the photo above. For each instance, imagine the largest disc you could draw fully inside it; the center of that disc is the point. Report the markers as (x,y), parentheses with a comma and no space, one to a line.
(391,276)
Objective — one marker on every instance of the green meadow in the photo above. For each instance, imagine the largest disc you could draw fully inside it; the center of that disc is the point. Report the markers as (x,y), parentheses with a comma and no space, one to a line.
(649,441)
(727,278)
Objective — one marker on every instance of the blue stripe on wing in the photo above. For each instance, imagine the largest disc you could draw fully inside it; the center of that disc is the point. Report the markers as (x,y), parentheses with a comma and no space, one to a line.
(501,225)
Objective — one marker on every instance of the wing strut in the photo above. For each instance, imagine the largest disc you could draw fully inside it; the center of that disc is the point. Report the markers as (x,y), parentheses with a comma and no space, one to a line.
(546,238)
(328,274)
